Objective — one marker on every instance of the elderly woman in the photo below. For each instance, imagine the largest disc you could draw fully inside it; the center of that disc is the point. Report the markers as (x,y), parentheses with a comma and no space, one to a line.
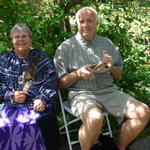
(28,90)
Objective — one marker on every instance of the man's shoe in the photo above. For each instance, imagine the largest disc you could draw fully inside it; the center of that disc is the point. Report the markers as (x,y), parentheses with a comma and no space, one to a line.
(105,143)
(97,146)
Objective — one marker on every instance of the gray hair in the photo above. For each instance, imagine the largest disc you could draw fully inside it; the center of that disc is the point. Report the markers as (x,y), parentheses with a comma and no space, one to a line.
(20,27)
(91,9)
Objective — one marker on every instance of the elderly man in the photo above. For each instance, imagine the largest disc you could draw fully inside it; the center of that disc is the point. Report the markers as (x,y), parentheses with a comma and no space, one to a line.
(92,90)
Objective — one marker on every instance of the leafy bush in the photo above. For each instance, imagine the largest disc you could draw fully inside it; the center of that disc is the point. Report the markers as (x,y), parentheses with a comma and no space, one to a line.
(126,25)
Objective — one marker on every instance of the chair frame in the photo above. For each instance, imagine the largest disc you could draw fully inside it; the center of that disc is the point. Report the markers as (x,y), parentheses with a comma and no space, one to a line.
(64,109)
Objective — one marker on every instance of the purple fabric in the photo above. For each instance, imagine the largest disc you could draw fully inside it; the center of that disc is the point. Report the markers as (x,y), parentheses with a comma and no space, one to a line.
(18,129)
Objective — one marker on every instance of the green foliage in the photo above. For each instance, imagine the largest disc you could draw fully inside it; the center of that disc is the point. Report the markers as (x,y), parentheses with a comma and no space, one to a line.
(45,21)
(13,12)
(127,25)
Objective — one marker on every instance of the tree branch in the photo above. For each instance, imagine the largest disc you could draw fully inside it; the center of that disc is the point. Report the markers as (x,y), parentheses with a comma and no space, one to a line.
(68,6)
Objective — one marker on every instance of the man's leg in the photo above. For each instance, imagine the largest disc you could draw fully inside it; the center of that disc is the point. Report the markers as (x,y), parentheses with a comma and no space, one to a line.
(91,128)
(137,114)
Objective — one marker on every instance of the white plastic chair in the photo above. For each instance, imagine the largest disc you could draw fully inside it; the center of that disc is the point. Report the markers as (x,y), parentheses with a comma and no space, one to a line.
(66,108)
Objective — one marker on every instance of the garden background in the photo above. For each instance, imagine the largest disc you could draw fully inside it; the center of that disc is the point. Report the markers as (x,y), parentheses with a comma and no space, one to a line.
(126,23)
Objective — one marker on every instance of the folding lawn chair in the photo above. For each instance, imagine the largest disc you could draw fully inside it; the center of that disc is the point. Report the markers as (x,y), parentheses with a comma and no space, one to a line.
(65,108)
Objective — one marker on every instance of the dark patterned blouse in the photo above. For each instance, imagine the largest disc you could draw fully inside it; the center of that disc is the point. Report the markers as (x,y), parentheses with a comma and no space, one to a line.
(44,86)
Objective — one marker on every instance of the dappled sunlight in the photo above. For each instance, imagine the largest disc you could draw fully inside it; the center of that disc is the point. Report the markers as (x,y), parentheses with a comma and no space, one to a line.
(93,118)
(137,117)
(24,116)
(4,121)
(94,114)
(136,110)
(134,123)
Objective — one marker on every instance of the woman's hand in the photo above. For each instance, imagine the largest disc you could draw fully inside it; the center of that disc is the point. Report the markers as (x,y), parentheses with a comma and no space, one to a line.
(19,96)
(38,105)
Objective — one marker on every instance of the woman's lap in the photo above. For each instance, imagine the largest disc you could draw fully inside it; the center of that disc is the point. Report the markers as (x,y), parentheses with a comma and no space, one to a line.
(18,129)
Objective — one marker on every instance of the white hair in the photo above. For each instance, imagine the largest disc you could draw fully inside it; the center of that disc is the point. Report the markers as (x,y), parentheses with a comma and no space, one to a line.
(91,9)
(20,27)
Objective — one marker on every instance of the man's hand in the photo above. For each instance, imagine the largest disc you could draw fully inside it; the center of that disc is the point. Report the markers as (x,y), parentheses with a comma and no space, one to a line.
(107,59)
(38,105)
(84,72)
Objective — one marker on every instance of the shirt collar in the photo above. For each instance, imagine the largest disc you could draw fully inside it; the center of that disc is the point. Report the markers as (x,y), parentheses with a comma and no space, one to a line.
(82,40)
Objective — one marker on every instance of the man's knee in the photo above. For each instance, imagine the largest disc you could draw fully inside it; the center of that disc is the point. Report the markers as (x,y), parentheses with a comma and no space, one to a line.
(93,117)
(138,110)
(143,112)
(93,113)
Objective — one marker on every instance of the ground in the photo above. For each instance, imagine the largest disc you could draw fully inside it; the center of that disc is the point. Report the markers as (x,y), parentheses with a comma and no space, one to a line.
(141,143)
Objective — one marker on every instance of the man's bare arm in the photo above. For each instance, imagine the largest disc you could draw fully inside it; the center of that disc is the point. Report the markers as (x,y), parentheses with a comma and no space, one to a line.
(72,77)
(116,72)
(68,79)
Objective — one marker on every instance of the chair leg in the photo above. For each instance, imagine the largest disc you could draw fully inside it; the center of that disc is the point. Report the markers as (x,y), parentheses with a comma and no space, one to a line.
(65,124)
(70,143)
(67,131)
(108,124)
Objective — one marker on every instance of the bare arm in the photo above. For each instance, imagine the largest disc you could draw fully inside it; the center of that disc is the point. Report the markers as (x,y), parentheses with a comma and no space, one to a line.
(116,72)
(68,79)
(71,78)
